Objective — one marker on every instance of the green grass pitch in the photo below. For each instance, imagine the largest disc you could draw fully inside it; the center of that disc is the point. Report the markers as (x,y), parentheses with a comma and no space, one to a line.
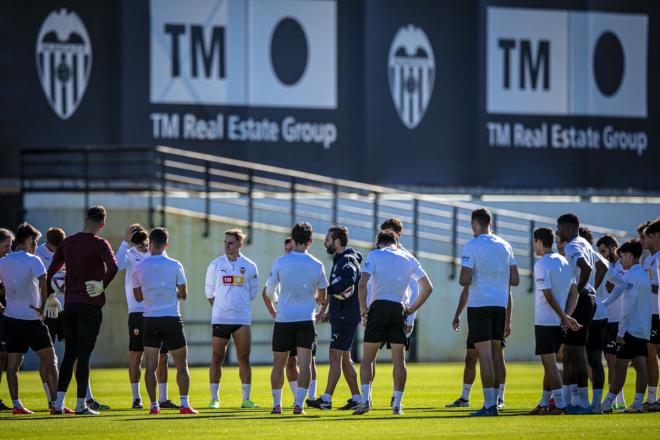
(429,388)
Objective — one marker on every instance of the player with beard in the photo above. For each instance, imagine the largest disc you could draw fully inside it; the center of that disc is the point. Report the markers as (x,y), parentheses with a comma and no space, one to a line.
(344,316)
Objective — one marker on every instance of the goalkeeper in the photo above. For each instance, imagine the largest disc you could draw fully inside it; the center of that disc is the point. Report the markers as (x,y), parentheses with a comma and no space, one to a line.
(344,317)
(24,278)
(90,267)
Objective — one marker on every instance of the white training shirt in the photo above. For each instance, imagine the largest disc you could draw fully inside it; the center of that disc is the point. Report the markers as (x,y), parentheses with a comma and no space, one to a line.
(614,308)
(46,257)
(20,272)
(552,272)
(298,274)
(635,291)
(158,277)
(234,285)
(490,258)
(127,259)
(650,267)
(601,292)
(580,248)
(391,269)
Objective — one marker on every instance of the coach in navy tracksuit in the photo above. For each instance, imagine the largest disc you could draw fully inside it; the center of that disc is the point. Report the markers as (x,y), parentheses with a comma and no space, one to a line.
(343,314)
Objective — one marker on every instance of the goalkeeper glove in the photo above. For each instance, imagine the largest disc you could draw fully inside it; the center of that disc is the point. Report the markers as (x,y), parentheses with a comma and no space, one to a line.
(52,307)
(94,288)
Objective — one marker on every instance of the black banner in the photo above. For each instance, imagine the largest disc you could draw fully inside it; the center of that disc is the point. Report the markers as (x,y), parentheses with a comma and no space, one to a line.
(474,94)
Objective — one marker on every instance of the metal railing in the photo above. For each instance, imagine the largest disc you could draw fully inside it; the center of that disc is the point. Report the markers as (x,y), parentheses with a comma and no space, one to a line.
(435,228)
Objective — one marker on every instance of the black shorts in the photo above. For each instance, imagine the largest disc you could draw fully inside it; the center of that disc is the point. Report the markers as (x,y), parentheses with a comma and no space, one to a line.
(470,345)
(548,339)
(486,323)
(610,338)
(583,314)
(22,334)
(164,330)
(596,339)
(342,335)
(290,335)
(385,323)
(655,329)
(632,348)
(3,342)
(55,327)
(225,331)
(135,333)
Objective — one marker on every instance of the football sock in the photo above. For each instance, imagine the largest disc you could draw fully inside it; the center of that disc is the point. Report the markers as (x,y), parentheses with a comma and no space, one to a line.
(545,398)
(162,392)
(312,389)
(294,388)
(500,393)
(574,395)
(80,404)
(366,393)
(215,390)
(326,398)
(653,394)
(620,399)
(583,397)
(609,399)
(245,389)
(17,403)
(356,398)
(559,398)
(596,398)
(465,394)
(184,402)
(59,403)
(489,397)
(300,397)
(135,388)
(639,400)
(398,397)
(277,397)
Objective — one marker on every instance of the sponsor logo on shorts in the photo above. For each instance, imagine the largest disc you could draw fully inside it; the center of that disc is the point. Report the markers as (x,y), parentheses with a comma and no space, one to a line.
(136,331)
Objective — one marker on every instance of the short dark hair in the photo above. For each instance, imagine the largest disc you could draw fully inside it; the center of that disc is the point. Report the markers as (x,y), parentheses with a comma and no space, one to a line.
(25,231)
(6,234)
(139,236)
(159,236)
(653,228)
(288,240)
(546,236)
(386,238)
(55,236)
(481,216)
(96,214)
(633,246)
(339,233)
(568,219)
(393,224)
(302,233)
(607,241)
(586,233)
(641,227)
